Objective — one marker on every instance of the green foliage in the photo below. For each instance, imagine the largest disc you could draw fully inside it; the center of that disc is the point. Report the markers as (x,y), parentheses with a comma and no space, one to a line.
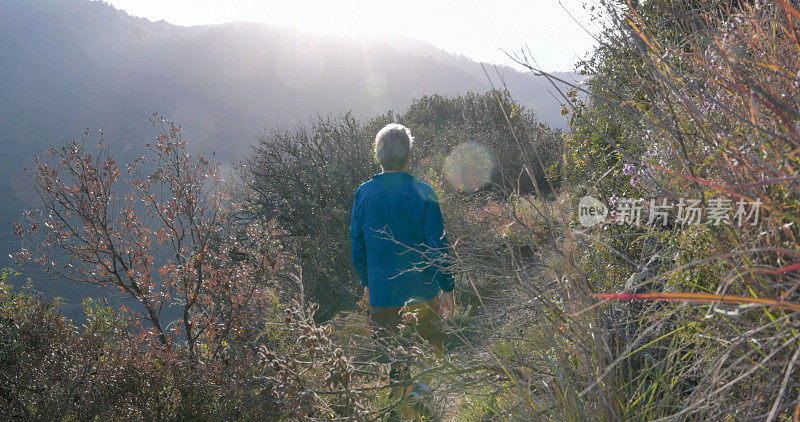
(53,369)
(441,123)
(684,99)
(687,100)
(306,176)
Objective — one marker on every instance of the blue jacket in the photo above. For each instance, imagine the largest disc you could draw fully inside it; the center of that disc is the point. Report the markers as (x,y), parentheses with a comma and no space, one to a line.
(398,205)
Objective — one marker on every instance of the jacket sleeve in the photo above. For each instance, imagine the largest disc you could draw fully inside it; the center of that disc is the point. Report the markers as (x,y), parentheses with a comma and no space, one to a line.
(436,242)
(358,249)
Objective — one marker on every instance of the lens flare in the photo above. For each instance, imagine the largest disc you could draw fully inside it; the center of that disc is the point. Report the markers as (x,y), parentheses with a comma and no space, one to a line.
(469,167)
(299,64)
(376,84)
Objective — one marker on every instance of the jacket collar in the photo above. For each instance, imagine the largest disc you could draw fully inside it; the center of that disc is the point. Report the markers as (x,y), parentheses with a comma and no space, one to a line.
(392,174)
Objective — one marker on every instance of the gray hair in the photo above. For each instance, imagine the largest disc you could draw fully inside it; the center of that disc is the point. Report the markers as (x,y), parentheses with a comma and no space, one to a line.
(393,146)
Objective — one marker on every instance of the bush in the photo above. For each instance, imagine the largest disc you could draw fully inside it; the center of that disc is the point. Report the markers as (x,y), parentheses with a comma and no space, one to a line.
(515,141)
(690,101)
(165,235)
(306,176)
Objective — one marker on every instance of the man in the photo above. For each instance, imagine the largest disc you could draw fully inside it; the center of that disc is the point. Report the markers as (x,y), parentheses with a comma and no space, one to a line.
(398,244)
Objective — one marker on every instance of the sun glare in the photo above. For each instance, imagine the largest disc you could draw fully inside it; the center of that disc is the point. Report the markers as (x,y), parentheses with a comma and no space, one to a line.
(474,28)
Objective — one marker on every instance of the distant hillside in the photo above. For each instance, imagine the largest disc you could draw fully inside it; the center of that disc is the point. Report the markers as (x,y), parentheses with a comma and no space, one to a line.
(68,64)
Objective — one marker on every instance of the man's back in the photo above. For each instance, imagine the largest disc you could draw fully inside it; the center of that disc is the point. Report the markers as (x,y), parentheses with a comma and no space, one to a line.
(392,213)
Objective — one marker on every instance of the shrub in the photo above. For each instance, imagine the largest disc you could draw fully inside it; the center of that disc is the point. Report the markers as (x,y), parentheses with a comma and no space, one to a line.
(306,176)
(164,241)
(515,141)
(165,236)
(691,101)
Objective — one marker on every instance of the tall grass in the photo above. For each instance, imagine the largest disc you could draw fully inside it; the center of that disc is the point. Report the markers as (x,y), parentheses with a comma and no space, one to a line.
(557,321)
(686,99)
(692,100)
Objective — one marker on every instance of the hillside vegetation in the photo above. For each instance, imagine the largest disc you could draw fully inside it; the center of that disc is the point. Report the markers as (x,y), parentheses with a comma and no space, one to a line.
(679,302)
(72,64)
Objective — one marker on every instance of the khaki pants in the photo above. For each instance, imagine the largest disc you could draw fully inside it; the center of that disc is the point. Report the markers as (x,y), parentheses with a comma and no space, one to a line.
(386,319)
(384,322)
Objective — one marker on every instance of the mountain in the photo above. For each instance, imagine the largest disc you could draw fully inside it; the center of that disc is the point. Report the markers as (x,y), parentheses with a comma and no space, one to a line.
(70,64)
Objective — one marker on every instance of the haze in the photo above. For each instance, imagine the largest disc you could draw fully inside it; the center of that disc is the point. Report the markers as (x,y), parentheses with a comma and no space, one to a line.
(476,29)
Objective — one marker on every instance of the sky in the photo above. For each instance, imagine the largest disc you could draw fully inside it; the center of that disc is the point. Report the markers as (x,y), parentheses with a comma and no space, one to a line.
(478,29)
